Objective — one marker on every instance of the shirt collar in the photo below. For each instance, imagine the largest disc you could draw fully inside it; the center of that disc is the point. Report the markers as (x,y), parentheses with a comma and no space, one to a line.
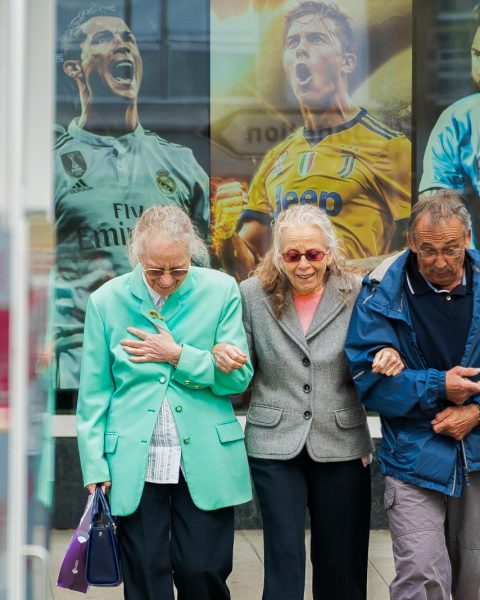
(157,299)
(103,140)
(417,284)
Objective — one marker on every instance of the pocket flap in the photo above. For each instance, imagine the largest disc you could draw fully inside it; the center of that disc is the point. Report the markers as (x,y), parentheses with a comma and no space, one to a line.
(230,431)
(388,498)
(110,442)
(351,417)
(265,416)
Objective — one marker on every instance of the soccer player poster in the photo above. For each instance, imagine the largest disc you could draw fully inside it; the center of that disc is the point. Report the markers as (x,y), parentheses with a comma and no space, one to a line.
(310,103)
(132,79)
(448,102)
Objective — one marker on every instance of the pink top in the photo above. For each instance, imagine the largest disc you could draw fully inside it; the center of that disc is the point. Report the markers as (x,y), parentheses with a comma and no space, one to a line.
(306,307)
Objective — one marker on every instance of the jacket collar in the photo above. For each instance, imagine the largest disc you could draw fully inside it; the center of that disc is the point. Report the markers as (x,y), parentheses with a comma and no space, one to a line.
(388,278)
(331,303)
(172,304)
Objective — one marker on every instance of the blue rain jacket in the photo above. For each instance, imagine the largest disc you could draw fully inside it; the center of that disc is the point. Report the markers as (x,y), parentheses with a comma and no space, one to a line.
(410,450)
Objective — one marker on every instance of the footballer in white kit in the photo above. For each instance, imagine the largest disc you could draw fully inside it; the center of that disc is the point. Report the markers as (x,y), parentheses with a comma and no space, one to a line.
(104,182)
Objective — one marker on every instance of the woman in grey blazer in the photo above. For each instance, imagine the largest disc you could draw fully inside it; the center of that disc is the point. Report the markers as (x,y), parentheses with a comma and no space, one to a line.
(307,436)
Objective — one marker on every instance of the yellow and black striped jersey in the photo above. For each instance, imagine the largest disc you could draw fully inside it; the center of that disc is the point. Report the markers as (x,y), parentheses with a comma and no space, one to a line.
(359,173)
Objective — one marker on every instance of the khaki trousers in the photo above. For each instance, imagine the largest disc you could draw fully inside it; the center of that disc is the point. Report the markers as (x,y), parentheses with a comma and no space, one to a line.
(436,541)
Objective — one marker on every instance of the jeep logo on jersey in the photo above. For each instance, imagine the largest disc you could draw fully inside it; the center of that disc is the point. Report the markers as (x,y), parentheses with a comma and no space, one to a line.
(166,182)
(74,164)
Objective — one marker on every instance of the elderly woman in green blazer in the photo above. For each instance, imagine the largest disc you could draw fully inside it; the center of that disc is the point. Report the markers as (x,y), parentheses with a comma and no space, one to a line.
(154,420)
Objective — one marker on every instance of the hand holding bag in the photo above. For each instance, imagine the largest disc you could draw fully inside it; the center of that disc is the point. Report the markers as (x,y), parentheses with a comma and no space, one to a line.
(103,563)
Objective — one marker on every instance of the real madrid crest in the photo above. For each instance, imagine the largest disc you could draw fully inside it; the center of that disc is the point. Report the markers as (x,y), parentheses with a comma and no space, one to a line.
(165,182)
(74,164)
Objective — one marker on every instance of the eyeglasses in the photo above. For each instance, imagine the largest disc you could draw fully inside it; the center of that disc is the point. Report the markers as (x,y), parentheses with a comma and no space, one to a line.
(175,273)
(293,256)
(432,255)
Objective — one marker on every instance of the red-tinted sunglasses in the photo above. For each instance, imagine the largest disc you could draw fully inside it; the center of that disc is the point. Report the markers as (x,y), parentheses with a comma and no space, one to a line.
(293,256)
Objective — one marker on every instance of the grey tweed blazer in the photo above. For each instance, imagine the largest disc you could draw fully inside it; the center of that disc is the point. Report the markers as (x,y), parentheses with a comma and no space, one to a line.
(302,392)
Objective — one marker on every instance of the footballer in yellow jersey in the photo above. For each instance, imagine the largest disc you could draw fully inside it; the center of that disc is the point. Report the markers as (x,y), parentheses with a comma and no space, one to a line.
(344,160)
(358,173)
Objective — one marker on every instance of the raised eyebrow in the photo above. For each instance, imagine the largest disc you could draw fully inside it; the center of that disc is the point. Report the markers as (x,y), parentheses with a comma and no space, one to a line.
(292,37)
(318,34)
(129,35)
(103,33)
(427,245)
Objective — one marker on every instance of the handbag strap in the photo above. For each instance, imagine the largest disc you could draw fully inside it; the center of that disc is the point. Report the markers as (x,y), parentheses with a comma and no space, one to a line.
(100,505)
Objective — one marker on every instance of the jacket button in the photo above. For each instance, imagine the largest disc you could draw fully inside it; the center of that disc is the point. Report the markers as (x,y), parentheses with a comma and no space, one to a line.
(307,388)
(162,379)
(307,415)
(306,361)
(186,440)
(154,314)
(178,408)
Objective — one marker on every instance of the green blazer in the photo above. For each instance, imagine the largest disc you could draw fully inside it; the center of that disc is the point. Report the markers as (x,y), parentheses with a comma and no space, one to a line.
(119,400)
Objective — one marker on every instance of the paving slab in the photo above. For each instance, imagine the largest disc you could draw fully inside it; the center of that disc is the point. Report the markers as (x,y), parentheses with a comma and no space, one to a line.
(246,580)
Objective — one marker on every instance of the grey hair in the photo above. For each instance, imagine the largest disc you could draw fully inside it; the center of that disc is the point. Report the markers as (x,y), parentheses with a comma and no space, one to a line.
(305,215)
(170,223)
(271,272)
(437,208)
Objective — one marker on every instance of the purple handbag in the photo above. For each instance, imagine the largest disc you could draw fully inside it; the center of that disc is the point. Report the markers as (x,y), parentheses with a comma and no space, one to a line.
(72,571)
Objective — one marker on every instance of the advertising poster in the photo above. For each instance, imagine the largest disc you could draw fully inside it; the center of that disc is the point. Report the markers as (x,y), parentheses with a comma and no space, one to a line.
(132,132)
(310,103)
(447,80)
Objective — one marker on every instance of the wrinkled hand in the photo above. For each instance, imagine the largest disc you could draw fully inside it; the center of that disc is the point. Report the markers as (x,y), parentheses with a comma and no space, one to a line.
(387,361)
(152,347)
(456,421)
(458,386)
(106,485)
(228,357)
(228,201)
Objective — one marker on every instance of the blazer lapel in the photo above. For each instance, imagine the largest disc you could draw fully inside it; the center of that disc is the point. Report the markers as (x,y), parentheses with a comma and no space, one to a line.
(173,303)
(289,322)
(147,307)
(331,303)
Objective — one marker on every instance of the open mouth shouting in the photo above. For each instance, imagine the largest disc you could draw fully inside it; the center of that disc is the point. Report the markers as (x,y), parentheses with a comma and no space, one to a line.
(123,72)
(303,74)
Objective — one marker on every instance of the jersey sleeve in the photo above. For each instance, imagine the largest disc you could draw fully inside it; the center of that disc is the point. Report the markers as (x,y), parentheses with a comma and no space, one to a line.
(258,206)
(394,174)
(441,164)
(200,198)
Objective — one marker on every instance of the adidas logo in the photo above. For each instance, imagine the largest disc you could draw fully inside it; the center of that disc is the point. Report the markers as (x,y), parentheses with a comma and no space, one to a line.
(80,186)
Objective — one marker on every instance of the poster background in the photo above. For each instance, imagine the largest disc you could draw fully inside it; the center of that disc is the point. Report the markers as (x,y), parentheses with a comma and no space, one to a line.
(94,198)
(442,75)
(248,87)
(252,105)
(443,36)
(173,38)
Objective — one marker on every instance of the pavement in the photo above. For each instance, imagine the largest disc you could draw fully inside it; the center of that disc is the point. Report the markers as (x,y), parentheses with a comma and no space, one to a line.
(246,580)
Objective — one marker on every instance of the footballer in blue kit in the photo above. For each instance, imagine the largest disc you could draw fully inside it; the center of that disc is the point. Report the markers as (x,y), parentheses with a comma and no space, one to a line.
(108,170)
(452,155)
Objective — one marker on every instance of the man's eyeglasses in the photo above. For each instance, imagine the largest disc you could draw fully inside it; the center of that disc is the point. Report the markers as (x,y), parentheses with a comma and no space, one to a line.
(432,255)
(293,256)
(175,273)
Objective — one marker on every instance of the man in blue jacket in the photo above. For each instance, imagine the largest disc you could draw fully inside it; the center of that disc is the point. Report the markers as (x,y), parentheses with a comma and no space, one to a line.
(425,303)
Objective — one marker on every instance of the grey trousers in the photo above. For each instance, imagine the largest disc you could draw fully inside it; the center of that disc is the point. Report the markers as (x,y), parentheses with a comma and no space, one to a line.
(436,541)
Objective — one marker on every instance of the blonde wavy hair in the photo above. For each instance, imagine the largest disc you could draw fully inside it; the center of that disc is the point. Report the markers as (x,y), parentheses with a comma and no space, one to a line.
(271,272)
